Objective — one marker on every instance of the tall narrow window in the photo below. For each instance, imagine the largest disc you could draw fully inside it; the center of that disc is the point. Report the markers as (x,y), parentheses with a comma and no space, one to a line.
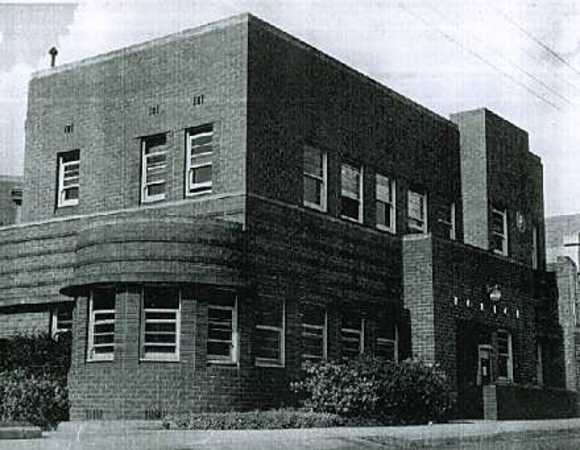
(499,231)
(154,168)
(101,325)
(539,363)
(16,195)
(314,178)
(387,343)
(199,160)
(68,178)
(314,340)
(505,356)
(352,335)
(351,201)
(385,203)
(61,321)
(160,324)
(269,342)
(222,329)
(447,220)
(417,212)
(535,248)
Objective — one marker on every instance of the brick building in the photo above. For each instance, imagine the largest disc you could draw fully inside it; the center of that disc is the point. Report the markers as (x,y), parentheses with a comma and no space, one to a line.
(211,209)
(10,199)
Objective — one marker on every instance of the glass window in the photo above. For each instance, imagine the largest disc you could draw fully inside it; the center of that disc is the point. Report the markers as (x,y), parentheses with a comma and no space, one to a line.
(352,336)
(101,325)
(351,201)
(68,178)
(160,324)
(154,168)
(222,329)
(314,344)
(314,178)
(269,342)
(387,342)
(499,236)
(199,158)
(385,203)
(535,248)
(61,321)
(505,355)
(447,219)
(417,212)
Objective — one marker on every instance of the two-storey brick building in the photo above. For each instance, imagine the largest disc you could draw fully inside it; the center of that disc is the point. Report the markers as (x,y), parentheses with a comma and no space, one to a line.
(214,208)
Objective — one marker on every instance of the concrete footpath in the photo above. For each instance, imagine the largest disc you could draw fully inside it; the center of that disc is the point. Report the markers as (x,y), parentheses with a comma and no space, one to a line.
(144,436)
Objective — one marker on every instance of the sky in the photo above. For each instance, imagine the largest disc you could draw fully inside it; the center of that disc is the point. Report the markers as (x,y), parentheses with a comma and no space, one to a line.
(519,58)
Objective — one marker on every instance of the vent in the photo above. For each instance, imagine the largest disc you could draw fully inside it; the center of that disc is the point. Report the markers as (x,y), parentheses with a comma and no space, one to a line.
(93,414)
(155,413)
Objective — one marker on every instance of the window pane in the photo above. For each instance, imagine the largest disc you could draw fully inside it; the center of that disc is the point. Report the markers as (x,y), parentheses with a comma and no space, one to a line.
(151,142)
(201,175)
(161,298)
(169,349)
(350,207)
(71,193)
(312,190)
(383,214)
(383,189)
(217,349)
(416,206)
(350,181)
(268,344)
(386,349)
(313,162)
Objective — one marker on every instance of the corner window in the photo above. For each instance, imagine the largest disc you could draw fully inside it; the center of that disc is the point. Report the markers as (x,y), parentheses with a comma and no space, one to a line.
(153,168)
(314,334)
(160,324)
(351,200)
(222,330)
(199,160)
(315,174)
(447,220)
(101,325)
(385,204)
(417,212)
(269,342)
(387,341)
(352,336)
(68,178)
(61,321)
(499,231)
(505,356)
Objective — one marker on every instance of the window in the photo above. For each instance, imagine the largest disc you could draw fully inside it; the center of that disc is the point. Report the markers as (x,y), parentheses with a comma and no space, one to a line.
(499,233)
(16,195)
(222,329)
(417,212)
(387,343)
(61,322)
(448,220)
(351,206)
(535,248)
(314,178)
(160,324)
(269,337)
(352,335)
(102,325)
(68,178)
(385,203)
(504,355)
(539,363)
(314,340)
(154,168)
(199,157)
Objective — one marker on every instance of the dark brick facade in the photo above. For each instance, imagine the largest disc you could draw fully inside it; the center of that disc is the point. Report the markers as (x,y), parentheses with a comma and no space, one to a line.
(268,96)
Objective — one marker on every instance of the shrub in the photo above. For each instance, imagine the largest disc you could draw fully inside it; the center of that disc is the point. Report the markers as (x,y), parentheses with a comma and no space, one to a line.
(265,420)
(41,400)
(401,393)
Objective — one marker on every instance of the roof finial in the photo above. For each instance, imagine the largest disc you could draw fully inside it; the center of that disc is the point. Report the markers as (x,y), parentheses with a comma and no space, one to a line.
(53,52)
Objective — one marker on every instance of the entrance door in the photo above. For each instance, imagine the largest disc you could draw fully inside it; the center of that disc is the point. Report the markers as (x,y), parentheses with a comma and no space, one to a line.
(484,375)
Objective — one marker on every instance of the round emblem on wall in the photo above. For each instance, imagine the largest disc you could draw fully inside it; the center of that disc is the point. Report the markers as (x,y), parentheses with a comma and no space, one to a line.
(521,222)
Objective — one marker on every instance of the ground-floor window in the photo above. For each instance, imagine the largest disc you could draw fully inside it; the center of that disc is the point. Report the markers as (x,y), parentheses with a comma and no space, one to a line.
(387,341)
(314,333)
(61,321)
(352,335)
(222,329)
(269,337)
(160,324)
(101,339)
(505,356)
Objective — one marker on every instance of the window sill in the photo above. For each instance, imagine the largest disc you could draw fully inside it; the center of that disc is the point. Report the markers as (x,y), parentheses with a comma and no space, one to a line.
(224,364)
(198,193)
(385,228)
(315,207)
(351,219)
(66,205)
(159,360)
(100,360)
(269,364)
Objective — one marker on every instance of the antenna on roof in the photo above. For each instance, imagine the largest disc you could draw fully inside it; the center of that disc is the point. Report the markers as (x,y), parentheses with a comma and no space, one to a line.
(53,52)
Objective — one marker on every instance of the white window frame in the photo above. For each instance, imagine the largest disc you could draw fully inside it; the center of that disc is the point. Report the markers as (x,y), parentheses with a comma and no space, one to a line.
(162,150)
(281,362)
(509,355)
(233,358)
(63,166)
(323,180)
(535,256)
(343,193)
(450,222)
(56,326)
(306,328)
(410,219)
(152,356)
(193,189)
(93,322)
(358,331)
(391,204)
(504,248)
(540,363)
(395,342)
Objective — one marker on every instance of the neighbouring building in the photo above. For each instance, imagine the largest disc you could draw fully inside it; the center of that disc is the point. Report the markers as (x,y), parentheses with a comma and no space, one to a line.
(209,210)
(10,199)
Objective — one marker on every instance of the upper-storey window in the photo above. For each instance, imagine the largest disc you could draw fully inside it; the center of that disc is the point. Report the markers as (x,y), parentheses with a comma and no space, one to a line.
(385,203)
(417,212)
(447,219)
(351,200)
(68,178)
(199,160)
(314,178)
(154,168)
(499,231)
